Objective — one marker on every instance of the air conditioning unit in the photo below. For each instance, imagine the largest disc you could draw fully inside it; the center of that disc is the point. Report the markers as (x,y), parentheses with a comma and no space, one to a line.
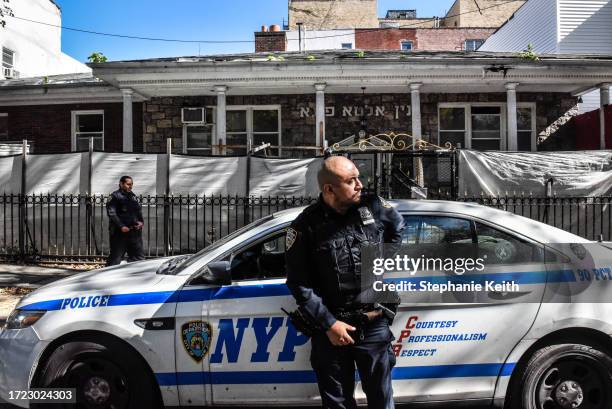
(8,72)
(193,115)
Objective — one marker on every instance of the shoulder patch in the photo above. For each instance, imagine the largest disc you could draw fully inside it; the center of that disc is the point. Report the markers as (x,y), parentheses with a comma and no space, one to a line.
(290,238)
(384,203)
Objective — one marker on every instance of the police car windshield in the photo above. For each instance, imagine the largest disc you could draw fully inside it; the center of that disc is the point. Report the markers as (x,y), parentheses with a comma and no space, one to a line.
(194,258)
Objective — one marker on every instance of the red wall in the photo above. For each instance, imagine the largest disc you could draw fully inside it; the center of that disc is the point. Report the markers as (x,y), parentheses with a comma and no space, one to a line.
(48,127)
(423,39)
(588,130)
(384,39)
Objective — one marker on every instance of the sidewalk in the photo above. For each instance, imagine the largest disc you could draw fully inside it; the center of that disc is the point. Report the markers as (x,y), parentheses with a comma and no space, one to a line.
(18,280)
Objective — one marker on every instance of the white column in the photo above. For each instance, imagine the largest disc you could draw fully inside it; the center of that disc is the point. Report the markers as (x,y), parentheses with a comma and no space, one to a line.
(511,116)
(220,126)
(604,99)
(128,132)
(320,115)
(415,106)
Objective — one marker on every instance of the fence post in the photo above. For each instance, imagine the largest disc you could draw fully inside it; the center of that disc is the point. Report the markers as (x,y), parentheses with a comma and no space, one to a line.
(22,203)
(454,174)
(87,198)
(167,199)
(248,186)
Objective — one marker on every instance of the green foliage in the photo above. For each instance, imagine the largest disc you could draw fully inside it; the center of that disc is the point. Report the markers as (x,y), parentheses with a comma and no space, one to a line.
(97,57)
(311,57)
(272,57)
(360,54)
(5,10)
(529,54)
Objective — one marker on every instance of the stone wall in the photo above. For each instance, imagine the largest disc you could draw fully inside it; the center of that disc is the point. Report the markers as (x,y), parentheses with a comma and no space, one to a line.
(384,112)
(330,14)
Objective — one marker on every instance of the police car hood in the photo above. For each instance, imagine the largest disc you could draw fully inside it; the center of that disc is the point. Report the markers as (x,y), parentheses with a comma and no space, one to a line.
(125,278)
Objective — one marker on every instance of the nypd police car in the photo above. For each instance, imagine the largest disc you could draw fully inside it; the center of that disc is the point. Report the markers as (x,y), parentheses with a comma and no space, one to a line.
(207,329)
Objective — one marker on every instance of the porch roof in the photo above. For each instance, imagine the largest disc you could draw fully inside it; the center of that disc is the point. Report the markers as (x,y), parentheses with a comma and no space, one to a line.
(346,71)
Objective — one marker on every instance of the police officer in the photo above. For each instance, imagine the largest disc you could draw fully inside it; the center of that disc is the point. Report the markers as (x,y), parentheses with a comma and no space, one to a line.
(125,224)
(323,260)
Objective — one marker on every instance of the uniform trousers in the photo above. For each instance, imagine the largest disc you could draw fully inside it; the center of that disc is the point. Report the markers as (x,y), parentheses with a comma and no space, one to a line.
(120,243)
(335,368)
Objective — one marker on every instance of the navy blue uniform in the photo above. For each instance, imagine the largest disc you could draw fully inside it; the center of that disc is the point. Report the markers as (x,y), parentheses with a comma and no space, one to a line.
(323,260)
(124,210)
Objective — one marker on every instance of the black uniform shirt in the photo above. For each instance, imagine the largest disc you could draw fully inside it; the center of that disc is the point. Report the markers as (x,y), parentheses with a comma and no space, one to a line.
(123,209)
(323,252)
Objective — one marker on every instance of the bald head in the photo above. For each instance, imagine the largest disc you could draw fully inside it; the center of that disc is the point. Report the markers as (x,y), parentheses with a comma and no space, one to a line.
(332,170)
(339,183)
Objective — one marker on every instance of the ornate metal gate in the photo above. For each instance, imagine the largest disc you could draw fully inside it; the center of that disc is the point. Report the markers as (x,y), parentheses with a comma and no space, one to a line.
(396,165)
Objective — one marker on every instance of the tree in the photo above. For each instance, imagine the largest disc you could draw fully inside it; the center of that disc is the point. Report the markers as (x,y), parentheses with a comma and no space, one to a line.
(97,57)
(5,10)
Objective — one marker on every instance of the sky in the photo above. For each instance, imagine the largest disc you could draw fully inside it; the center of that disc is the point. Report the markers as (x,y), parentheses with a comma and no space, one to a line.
(185,20)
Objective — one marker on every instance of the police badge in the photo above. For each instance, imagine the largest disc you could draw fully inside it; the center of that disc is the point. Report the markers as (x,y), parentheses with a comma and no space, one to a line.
(196,336)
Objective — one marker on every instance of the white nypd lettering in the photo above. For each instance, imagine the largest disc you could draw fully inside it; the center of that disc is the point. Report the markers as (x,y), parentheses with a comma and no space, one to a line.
(92,301)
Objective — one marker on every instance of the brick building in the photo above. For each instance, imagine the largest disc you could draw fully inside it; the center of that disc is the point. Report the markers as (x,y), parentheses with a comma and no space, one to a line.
(300,103)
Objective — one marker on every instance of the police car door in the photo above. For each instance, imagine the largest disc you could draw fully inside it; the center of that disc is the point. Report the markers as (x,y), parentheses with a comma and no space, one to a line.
(256,357)
(456,346)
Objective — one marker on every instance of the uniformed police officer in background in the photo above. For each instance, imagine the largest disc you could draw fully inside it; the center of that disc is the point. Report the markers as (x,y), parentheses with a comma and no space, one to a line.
(125,224)
(323,260)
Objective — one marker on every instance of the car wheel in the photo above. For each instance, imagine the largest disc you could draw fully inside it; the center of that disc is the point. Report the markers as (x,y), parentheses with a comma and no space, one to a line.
(564,376)
(105,376)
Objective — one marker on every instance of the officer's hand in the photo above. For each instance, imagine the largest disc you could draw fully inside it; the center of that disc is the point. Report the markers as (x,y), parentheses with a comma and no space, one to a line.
(125,229)
(338,334)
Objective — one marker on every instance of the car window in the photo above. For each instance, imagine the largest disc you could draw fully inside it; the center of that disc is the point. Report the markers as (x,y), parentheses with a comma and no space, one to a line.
(438,237)
(498,247)
(436,229)
(260,260)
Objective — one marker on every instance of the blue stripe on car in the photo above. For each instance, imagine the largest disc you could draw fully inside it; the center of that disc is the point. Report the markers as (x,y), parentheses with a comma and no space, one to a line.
(280,289)
(308,376)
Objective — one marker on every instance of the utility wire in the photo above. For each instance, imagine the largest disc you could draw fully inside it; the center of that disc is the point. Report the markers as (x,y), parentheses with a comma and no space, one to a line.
(132,37)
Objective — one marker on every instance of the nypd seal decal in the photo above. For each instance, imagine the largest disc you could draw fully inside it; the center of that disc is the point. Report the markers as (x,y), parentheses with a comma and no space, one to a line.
(196,336)
(290,238)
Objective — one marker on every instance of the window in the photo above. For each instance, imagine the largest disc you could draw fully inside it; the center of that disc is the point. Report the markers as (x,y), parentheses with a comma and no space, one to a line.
(525,124)
(438,237)
(253,126)
(86,125)
(497,247)
(452,126)
(483,126)
(406,45)
(8,63)
(486,127)
(473,45)
(3,125)
(264,259)
(197,139)
(347,46)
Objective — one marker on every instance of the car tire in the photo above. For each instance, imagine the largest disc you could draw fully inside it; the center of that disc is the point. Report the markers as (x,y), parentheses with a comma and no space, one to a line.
(105,375)
(563,376)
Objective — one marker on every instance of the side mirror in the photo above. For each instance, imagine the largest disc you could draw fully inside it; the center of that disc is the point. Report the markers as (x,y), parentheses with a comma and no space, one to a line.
(216,272)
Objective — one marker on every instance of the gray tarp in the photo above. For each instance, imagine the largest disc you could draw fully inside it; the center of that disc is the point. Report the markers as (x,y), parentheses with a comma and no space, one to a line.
(581,173)
(69,174)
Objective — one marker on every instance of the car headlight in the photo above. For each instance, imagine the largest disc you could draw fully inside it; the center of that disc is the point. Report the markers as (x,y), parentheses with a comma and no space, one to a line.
(22,319)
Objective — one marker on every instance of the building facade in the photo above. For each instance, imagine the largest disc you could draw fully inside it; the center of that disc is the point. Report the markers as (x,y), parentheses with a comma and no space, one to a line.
(31,49)
(299,104)
(561,27)
(481,13)
(403,39)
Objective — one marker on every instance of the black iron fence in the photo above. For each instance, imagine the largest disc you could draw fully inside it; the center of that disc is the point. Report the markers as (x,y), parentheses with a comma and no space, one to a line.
(75,227)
